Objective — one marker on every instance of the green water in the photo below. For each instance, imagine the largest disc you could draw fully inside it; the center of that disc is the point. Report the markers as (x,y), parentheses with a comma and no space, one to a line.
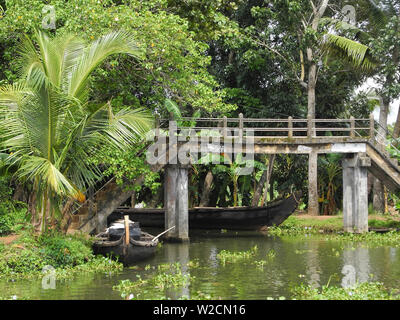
(298,260)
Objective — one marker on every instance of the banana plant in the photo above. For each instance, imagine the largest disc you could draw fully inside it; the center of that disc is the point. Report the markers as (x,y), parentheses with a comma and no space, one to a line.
(232,170)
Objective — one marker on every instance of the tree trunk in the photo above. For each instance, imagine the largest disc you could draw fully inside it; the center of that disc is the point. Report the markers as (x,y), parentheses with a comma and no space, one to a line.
(133,199)
(32,209)
(371,179)
(396,130)
(66,215)
(205,195)
(20,193)
(378,192)
(378,196)
(259,189)
(312,82)
(269,174)
(313,206)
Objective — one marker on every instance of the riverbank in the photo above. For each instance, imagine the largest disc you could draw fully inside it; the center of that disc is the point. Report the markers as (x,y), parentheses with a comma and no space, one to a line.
(331,228)
(334,223)
(25,255)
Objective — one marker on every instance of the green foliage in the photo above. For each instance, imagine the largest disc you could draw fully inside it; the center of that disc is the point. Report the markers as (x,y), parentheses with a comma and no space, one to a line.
(297,226)
(225,256)
(362,291)
(50,125)
(330,182)
(387,223)
(175,62)
(13,214)
(126,166)
(168,276)
(332,230)
(63,251)
(13,217)
(69,255)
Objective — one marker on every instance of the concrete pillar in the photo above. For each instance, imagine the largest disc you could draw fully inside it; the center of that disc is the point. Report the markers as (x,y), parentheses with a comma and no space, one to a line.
(355,193)
(176,203)
(313,205)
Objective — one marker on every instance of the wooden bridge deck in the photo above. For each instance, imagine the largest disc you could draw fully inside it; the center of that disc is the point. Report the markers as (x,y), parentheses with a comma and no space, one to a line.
(271,136)
(288,130)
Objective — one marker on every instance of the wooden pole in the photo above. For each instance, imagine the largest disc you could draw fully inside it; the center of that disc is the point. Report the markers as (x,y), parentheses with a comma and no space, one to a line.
(352,127)
(127,235)
(240,126)
(290,127)
(225,127)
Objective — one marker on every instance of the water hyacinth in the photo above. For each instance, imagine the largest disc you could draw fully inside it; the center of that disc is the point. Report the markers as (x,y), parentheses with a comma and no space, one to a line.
(226,256)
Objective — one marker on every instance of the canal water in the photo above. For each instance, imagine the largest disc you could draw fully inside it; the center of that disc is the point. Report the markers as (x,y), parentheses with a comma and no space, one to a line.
(304,259)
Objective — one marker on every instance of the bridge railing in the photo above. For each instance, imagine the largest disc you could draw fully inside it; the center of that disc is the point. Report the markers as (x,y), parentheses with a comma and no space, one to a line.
(276,128)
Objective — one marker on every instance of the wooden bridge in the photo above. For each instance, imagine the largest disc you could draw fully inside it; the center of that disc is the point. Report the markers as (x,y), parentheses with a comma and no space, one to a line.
(359,139)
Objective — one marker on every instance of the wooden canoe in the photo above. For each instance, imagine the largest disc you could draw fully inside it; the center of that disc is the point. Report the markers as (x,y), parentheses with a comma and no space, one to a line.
(128,254)
(235,218)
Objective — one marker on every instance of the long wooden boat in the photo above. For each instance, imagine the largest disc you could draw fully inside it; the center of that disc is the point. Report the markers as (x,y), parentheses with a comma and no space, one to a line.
(139,247)
(235,218)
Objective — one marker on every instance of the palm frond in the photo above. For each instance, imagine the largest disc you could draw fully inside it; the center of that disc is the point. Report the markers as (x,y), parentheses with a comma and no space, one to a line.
(109,44)
(356,52)
(119,130)
(36,167)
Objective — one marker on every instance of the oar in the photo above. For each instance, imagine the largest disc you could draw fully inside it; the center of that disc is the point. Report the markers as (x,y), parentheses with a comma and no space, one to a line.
(127,236)
(163,233)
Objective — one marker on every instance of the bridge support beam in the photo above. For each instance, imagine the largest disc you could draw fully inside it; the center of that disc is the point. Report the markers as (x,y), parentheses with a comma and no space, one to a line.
(355,193)
(176,203)
(313,204)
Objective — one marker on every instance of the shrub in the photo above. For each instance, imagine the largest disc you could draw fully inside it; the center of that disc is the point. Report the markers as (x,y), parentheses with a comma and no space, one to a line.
(19,260)
(61,251)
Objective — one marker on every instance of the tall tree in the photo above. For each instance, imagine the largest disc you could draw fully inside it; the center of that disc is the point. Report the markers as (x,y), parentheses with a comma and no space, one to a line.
(299,35)
(51,127)
(381,30)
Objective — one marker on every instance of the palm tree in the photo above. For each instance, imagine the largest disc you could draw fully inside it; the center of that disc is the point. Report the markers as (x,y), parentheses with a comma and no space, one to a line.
(49,125)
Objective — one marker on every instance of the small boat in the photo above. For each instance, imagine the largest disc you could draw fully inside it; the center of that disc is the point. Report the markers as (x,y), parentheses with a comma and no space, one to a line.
(235,218)
(126,241)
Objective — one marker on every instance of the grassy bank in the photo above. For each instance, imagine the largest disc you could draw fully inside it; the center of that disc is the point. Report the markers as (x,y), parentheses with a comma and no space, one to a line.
(334,224)
(26,256)
(331,228)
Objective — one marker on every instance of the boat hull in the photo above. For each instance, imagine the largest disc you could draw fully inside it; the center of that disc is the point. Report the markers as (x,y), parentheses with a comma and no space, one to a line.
(130,256)
(237,218)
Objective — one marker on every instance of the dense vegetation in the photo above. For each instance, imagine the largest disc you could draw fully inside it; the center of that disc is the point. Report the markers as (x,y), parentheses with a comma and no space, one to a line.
(262,59)
(82,81)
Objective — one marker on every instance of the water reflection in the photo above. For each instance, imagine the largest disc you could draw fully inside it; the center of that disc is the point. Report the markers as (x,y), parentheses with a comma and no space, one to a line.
(313,264)
(359,259)
(311,260)
(179,253)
